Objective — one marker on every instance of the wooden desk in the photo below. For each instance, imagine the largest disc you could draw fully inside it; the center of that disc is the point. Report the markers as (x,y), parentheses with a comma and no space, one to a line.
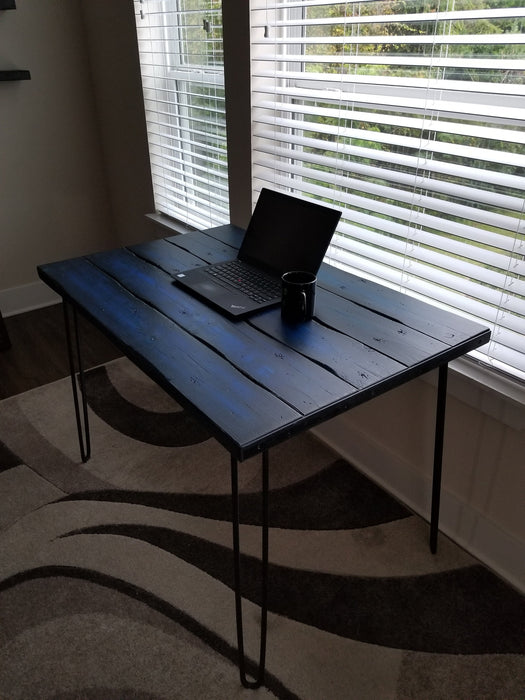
(256,383)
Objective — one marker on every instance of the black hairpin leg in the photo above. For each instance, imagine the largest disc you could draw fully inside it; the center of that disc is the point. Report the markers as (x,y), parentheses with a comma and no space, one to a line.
(82,420)
(438,455)
(5,343)
(259,679)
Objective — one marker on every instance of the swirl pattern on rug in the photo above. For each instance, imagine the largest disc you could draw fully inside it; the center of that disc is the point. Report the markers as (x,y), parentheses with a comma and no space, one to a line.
(116,575)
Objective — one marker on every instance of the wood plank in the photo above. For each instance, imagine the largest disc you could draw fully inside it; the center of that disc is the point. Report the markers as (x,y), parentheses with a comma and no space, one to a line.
(241,412)
(349,359)
(167,256)
(295,379)
(437,323)
(208,249)
(390,338)
(229,234)
(171,254)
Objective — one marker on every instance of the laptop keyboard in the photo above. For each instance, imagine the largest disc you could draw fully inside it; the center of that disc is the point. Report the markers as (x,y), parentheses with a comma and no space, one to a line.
(257,285)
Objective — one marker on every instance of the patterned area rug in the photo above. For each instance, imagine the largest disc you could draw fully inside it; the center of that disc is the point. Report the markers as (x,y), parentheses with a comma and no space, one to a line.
(116,575)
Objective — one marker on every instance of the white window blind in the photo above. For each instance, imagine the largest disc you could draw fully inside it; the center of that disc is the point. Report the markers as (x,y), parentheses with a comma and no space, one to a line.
(408,116)
(181,58)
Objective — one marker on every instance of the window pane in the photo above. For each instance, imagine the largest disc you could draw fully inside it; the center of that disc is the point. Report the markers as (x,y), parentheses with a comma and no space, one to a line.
(180,49)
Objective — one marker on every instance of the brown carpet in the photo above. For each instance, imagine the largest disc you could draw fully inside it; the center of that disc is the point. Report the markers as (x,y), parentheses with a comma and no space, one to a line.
(116,575)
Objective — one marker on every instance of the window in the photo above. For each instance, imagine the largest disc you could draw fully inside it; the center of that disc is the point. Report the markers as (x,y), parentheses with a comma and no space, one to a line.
(408,116)
(180,49)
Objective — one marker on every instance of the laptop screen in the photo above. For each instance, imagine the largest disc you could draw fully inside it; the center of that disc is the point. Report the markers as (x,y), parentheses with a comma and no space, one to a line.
(286,233)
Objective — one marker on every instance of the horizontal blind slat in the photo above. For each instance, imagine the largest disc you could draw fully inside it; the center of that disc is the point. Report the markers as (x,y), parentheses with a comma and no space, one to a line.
(351,81)
(504,64)
(422,144)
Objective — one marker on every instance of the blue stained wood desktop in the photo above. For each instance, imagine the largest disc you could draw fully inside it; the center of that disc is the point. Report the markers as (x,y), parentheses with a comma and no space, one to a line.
(259,381)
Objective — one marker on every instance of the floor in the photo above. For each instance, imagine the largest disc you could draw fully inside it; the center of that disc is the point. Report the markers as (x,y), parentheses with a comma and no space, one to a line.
(38,352)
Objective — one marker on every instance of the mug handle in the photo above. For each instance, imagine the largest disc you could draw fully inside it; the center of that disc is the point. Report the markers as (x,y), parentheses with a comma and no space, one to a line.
(303,305)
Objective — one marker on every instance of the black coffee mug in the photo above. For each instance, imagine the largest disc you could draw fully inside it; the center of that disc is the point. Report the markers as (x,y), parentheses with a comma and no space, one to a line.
(298,297)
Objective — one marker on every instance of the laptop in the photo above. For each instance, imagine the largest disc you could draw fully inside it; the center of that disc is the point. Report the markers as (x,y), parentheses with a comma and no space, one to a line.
(285,233)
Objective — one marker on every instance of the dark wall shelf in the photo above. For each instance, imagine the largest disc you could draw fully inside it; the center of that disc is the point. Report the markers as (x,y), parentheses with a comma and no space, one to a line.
(15,75)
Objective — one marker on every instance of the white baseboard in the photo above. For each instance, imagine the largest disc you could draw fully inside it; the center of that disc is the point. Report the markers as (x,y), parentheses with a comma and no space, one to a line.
(27,297)
(470,529)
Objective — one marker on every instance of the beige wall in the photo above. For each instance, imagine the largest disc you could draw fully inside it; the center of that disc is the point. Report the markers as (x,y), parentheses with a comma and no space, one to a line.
(74,177)
(115,70)
(391,438)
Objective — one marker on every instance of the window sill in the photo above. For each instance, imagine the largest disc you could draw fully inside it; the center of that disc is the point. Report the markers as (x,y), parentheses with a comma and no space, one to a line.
(171,224)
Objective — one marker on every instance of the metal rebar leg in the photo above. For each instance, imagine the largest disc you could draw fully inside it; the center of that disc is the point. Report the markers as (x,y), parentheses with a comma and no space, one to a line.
(438,455)
(82,421)
(259,679)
